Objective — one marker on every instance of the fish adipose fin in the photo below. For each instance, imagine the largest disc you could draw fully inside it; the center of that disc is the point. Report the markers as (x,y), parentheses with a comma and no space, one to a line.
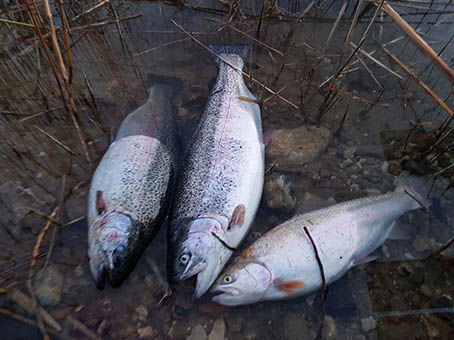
(417,188)
(289,287)
(233,54)
(238,216)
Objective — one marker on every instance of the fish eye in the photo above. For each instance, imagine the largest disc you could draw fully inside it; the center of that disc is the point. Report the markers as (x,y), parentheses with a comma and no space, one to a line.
(184,259)
(228,279)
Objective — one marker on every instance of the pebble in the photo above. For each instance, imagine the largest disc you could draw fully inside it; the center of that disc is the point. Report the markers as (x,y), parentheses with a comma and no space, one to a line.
(218,330)
(49,284)
(279,193)
(145,332)
(368,324)
(421,244)
(359,337)
(197,333)
(385,251)
(235,323)
(425,290)
(295,147)
(329,328)
(296,327)
(141,313)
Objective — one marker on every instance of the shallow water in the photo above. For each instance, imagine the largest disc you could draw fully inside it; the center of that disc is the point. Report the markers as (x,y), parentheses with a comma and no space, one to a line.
(404,292)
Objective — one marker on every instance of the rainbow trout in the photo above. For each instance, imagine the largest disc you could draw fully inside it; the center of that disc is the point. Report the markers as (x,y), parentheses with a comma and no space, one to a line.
(132,186)
(282,263)
(219,189)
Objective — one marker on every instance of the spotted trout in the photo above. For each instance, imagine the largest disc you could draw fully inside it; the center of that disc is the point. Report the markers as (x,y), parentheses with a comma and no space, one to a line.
(220,186)
(282,263)
(132,186)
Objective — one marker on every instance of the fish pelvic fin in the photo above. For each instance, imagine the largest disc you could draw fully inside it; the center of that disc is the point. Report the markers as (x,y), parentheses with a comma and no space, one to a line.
(289,287)
(233,54)
(416,187)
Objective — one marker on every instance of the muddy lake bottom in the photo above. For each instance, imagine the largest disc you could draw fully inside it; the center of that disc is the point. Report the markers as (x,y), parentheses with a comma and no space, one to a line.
(323,155)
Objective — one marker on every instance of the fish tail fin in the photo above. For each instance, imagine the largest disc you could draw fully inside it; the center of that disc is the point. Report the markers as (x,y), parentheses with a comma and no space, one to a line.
(233,54)
(416,187)
(173,85)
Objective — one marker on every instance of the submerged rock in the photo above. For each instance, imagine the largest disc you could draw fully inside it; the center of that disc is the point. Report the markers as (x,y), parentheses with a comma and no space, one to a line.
(329,328)
(292,148)
(368,324)
(218,330)
(197,333)
(279,193)
(297,327)
(145,332)
(49,284)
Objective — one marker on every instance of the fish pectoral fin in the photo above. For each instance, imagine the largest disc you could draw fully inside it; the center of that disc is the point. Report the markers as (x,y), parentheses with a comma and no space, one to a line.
(100,204)
(288,287)
(238,216)
(364,260)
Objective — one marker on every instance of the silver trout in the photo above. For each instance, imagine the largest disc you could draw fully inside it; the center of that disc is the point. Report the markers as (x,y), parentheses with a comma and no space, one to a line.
(282,263)
(132,186)
(220,186)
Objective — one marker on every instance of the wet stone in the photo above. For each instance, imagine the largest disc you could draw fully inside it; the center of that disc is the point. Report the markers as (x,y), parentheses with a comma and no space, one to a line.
(441,302)
(296,327)
(329,328)
(421,244)
(197,333)
(279,193)
(218,330)
(234,323)
(295,147)
(49,284)
(145,332)
(368,324)
(141,313)
(425,290)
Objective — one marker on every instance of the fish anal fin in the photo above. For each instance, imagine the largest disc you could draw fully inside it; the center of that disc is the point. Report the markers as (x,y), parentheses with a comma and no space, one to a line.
(100,204)
(289,287)
(238,216)
(364,260)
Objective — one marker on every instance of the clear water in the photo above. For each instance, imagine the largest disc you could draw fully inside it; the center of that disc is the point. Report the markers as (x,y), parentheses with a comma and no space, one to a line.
(406,293)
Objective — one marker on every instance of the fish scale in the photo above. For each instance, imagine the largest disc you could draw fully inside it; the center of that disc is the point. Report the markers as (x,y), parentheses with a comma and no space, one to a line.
(282,263)
(223,169)
(132,186)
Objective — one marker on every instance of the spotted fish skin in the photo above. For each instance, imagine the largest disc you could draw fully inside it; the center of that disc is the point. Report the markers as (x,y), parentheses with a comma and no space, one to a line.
(223,168)
(282,263)
(131,189)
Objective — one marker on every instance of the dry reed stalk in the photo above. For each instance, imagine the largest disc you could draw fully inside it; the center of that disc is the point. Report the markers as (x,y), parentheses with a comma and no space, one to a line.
(285,100)
(369,56)
(81,327)
(12,22)
(54,39)
(416,38)
(52,138)
(412,75)
(362,100)
(32,323)
(40,238)
(95,7)
(256,40)
(26,303)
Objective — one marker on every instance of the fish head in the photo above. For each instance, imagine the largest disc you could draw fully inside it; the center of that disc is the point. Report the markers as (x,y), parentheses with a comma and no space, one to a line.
(200,253)
(108,248)
(243,282)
